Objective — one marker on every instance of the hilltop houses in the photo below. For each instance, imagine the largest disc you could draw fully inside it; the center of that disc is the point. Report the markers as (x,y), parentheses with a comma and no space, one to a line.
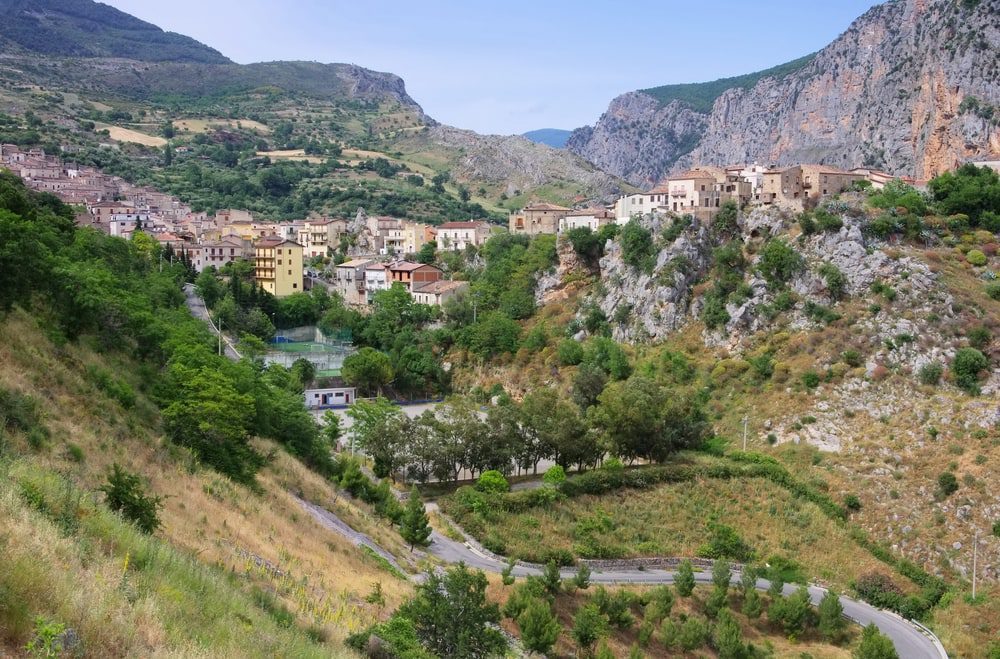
(537,218)
(456,236)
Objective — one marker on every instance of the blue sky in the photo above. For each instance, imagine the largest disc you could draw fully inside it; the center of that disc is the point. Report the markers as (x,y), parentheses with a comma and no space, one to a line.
(508,67)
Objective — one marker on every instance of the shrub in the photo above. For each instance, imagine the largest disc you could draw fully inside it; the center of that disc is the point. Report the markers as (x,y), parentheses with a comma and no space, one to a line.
(852,502)
(779,262)
(879,590)
(725,543)
(810,379)
(852,358)
(947,484)
(976,257)
(993,290)
(967,365)
(637,246)
(836,282)
(554,475)
(125,495)
(930,373)
(570,352)
(492,482)
(979,337)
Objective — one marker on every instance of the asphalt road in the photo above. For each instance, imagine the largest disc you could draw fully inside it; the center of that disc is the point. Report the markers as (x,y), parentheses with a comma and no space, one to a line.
(198,310)
(911,641)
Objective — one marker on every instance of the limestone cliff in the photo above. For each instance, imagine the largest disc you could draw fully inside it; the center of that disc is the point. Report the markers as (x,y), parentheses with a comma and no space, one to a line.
(913,86)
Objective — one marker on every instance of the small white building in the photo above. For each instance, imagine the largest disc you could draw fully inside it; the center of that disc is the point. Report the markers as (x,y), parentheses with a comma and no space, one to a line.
(331,397)
(436,293)
(377,279)
(456,236)
(591,218)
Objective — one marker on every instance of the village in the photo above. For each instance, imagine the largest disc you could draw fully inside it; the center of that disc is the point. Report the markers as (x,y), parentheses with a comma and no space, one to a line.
(292,256)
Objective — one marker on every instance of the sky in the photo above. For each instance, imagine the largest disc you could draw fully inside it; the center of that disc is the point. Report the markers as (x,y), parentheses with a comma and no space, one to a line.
(517,65)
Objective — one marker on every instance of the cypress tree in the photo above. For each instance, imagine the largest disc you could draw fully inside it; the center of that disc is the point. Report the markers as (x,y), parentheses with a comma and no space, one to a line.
(415,527)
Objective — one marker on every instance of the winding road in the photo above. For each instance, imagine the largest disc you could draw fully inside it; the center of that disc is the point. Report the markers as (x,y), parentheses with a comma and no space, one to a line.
(912,641)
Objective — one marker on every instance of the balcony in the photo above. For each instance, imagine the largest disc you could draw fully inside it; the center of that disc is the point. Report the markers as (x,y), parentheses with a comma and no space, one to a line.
(678,192)
(807,185)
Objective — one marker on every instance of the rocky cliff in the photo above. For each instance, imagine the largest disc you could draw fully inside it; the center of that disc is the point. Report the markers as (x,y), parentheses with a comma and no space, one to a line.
(913,86)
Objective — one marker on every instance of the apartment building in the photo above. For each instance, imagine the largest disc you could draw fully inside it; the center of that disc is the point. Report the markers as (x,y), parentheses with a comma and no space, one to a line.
(349,281)
(537,218)
(278,266)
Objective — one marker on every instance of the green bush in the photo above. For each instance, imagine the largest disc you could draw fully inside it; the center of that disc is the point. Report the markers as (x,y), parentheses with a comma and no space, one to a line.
(125,495)
(554,475)
(966,367)
(930,373)
(779,262)
(810,379)
(570,352)
(947,484)
(976,257)
(637,246)
(852,502)
(492,482)
(852,358)
(993,290)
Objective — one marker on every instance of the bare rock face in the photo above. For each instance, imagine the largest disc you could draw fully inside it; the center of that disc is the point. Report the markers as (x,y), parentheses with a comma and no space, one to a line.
(638,138)
(888,93)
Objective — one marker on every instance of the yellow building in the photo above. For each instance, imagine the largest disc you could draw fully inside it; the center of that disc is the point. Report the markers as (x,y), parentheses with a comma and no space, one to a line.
(278,266)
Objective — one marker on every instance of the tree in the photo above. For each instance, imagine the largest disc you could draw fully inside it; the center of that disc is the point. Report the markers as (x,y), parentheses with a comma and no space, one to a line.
(748,579)
(684,579)
(582,577)
(966,367)
(427,253)
(507,573)
(874,645)
(727,637)
(779,262)
(125,495)
(415,527)
(693,634)
(557,427)
(831,617)
(794,613)
(453,617)
(753,605)
(588,626)
(539,627)
(552,578)
(208,287)
(637,246)
(722,574)
(368,369)
(331,428)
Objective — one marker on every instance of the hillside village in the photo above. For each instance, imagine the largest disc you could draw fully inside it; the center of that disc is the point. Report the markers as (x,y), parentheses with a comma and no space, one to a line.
(373,247)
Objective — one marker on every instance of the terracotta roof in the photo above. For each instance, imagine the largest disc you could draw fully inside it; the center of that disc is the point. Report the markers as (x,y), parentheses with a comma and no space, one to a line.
(545,207)
(660,189)
(464,225)
(696,173)
(274,242)
(407,266)
(441,286)
(355,263)
(376,266)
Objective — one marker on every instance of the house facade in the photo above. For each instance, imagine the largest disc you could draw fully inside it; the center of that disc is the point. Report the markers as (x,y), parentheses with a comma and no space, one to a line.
(456,236)
(412,275)
(590,218)
(216,254)
(349,281)
(278,266)
(437,293)
(537,218)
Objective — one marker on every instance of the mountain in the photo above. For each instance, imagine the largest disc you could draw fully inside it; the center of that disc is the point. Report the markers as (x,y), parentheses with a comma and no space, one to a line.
(911,87)
(81,28)
(554,137)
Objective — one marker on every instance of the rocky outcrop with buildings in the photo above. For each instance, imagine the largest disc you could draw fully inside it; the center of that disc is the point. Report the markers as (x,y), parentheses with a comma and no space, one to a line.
(912,87)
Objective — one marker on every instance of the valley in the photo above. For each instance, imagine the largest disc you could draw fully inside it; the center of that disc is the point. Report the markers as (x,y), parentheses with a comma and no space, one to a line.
(290,368)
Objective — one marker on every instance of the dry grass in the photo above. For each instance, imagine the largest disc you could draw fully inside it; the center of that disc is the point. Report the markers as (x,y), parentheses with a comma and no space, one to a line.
(674,520)
(128,135)
(205,125)
(323,579)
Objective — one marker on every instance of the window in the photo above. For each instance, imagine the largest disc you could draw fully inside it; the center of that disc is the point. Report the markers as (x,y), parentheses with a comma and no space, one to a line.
(295,285)
(279,261)
(289,272)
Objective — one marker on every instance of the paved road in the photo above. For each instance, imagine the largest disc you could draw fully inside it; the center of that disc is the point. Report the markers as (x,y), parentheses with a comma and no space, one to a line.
(198,310)
(911,641)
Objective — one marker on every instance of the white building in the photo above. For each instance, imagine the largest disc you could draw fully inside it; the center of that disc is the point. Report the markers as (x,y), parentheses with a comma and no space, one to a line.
(591,218)
(456,236)
(330,397)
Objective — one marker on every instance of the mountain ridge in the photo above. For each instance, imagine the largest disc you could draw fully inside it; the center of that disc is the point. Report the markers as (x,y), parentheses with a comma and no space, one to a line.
(890,92)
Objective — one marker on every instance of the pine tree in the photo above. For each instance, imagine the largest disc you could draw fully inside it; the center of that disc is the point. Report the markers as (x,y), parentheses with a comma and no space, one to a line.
(722,574)
(684,579)
(551,578)
(582,577)
(752,605)
(539,627)
(831,617)
(728,638)
(588,626)
(415,527)
(875,645)
(507,574)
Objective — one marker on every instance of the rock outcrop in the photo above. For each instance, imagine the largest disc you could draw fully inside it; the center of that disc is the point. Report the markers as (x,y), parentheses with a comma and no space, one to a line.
(892,92)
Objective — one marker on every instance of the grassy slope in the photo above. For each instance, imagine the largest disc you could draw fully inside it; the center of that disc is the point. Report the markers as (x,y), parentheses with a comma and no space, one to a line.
(191,588)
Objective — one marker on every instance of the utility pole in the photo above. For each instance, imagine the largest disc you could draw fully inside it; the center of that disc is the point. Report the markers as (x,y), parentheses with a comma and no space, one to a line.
(975,556)
(744,433)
